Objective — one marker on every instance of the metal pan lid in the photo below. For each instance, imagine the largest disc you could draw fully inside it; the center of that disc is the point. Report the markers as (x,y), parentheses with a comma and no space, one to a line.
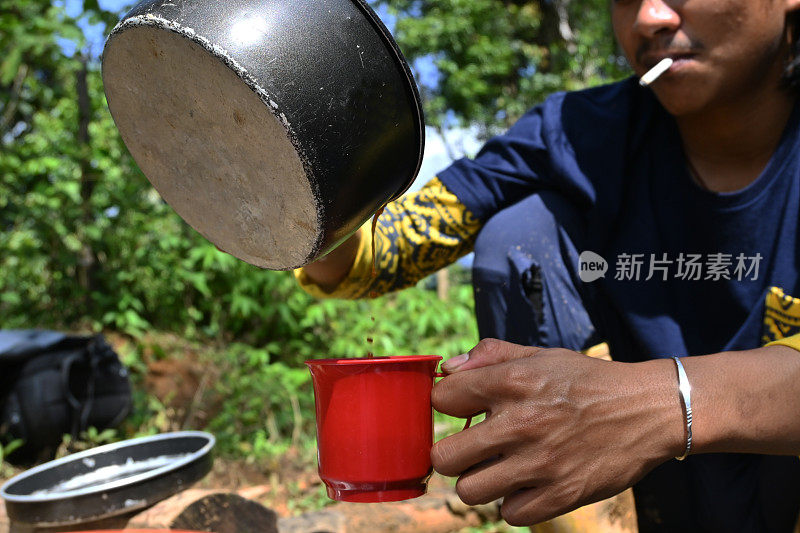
(108,480)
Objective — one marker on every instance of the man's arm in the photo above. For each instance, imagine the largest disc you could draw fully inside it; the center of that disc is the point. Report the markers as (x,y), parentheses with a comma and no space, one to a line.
(747,401)
(415,236)
(564,430)
(330,270)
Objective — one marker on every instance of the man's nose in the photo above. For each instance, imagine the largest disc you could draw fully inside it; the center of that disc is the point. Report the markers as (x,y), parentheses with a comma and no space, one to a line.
(655,16)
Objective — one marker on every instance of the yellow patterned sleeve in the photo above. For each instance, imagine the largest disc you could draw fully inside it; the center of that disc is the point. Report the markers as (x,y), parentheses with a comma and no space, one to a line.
(781,319)
(415,236)
(791,342)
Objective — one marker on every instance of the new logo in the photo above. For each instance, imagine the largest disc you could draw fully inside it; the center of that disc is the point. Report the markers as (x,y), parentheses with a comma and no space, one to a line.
(592,266)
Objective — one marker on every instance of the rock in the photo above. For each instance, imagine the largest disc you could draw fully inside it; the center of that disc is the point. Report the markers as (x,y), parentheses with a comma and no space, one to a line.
(204,510)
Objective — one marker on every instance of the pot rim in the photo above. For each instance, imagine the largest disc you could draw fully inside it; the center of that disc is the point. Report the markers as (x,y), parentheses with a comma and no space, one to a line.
(397,54)
(116,446)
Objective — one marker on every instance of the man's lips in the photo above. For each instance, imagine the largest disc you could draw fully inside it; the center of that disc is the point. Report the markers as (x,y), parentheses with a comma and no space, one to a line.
(650,60)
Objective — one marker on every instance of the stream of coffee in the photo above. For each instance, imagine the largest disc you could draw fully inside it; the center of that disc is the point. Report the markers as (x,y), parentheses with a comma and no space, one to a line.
(373,273)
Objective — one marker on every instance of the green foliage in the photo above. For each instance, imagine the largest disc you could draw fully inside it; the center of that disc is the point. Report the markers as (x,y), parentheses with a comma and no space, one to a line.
(497,58)
(269,405)
(7,449)
(267,408)
(149,416)
(87,243)
(6,470)
(414,321)
(90,438)
(312,501)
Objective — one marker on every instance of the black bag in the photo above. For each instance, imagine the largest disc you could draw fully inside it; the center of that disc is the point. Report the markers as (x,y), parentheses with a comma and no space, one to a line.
(52,384)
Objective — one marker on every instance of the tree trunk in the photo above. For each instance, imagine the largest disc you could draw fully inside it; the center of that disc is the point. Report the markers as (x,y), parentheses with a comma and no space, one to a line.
(86,258)
(442,284)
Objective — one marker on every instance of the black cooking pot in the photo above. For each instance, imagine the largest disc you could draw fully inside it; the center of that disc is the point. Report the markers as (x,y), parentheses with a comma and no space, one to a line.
(275,128)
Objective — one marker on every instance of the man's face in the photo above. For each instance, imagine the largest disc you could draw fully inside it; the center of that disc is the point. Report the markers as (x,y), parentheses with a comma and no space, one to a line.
(724,50)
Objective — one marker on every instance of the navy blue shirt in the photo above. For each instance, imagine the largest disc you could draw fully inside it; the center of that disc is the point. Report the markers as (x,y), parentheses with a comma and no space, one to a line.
(616,154)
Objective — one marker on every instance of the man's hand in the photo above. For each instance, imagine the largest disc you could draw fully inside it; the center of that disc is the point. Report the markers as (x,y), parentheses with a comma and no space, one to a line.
(562,429)
(330,270)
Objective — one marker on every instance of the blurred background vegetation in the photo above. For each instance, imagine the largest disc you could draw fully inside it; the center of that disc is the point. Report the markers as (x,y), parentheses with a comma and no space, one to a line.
(86,244)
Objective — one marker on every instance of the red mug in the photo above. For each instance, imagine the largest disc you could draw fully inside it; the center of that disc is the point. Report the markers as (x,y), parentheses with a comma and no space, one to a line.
(374,426)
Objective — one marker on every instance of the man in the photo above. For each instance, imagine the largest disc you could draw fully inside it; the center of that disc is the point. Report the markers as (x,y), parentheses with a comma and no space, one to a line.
(691,192)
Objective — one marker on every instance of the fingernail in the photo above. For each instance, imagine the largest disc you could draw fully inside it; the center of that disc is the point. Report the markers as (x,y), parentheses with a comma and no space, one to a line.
(454,362)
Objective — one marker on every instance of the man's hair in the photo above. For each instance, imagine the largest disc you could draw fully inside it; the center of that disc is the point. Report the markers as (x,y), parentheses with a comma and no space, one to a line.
(791,75)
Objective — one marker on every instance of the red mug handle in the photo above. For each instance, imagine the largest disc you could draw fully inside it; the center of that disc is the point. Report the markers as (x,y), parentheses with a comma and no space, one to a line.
(469,418)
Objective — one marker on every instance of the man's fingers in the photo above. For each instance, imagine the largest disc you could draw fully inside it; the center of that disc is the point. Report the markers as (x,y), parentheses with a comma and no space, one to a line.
(480,390)
(488,481)
(488,352)
(529,506)
(454,454)
(459,395)
(524,507)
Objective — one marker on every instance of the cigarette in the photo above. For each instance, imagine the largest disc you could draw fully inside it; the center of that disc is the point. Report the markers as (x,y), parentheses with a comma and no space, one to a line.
(654,73)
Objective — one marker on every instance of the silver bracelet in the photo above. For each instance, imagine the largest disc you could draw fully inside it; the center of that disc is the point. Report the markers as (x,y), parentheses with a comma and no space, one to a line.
(686,398)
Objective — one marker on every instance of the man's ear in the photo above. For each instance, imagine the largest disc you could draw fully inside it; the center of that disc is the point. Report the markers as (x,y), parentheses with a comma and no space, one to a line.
(792,5)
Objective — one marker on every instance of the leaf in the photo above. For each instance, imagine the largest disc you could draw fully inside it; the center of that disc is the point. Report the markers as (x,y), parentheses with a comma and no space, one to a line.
(10,66)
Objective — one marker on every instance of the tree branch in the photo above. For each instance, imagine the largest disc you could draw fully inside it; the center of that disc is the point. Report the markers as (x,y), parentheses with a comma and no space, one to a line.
(86,260)
(13,101)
